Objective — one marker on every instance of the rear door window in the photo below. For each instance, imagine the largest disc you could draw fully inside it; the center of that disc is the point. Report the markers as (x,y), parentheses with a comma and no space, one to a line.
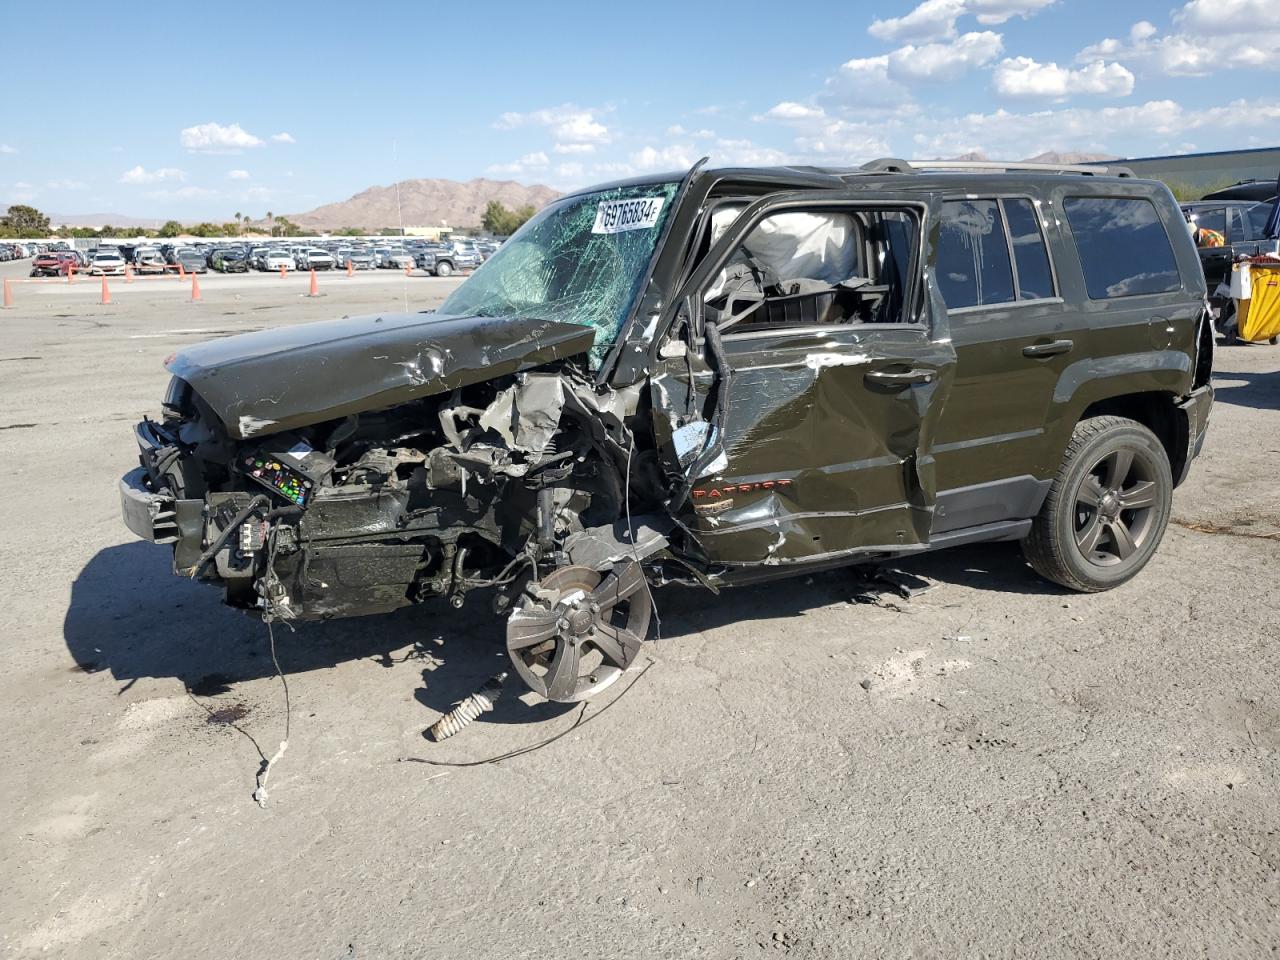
(1124,249)
(1035,276)
(972,265)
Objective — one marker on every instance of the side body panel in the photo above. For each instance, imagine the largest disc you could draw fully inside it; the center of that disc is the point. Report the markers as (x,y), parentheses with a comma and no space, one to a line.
(825,453)
(819,461)
(1138,344)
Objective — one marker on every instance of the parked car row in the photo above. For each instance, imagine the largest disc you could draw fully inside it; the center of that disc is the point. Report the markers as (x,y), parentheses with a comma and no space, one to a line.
(442,258)
(17,251)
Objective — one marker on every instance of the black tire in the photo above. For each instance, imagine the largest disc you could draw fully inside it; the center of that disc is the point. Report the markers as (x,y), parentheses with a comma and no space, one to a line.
(444,269)
(1103,519)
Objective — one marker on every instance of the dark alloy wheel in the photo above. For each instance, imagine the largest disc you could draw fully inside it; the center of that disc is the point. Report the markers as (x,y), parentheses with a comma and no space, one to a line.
(1115,507)
(1107,508)
(578,631)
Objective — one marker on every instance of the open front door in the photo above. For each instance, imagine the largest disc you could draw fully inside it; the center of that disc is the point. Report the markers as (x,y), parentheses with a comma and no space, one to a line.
(818,445)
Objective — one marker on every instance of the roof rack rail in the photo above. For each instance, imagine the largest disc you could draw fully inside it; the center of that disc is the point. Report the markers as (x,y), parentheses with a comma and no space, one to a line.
(1002,166)
(886,165)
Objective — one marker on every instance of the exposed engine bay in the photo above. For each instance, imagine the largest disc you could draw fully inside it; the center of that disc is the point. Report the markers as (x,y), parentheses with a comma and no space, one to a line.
(487,486)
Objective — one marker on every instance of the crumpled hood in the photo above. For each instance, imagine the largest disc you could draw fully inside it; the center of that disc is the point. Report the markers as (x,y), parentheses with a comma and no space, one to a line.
(288,377)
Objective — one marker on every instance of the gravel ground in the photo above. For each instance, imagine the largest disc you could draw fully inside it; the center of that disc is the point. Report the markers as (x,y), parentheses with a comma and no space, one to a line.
(794,774)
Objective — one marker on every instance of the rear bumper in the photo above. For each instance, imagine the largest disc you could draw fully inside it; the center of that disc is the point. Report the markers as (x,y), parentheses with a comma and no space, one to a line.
(1195,409)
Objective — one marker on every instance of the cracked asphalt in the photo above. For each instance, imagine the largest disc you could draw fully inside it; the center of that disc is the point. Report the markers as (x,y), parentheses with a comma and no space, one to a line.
(996,769)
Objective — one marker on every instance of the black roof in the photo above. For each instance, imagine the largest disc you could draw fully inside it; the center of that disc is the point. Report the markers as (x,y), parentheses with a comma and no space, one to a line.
(899,173)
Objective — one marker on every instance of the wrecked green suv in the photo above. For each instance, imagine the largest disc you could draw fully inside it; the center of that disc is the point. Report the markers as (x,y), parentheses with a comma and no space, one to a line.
(710,379)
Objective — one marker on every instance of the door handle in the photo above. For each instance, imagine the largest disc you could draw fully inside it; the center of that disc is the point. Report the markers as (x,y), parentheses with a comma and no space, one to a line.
(904,378)
(1050,349)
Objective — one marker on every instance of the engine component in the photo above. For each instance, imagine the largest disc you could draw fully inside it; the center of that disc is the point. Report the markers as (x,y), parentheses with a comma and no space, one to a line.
(578,631)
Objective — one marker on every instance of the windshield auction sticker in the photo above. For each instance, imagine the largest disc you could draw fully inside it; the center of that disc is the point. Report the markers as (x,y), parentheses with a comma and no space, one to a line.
(615,216)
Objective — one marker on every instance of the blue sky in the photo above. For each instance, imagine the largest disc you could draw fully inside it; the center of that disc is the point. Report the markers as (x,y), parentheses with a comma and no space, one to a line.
(204,110)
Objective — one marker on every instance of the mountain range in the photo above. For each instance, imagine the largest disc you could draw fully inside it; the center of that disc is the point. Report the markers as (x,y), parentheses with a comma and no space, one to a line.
(423,203)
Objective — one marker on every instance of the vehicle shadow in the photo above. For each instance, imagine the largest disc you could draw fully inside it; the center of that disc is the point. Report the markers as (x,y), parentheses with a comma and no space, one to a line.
(1259,391)
(991,567)
(130,615)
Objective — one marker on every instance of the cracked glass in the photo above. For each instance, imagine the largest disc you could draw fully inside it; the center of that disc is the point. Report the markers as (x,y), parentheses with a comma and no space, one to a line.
(580,260)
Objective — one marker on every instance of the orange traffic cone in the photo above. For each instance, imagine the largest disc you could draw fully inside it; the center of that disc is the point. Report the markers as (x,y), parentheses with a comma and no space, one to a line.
(8,295)
(106,293)
(195,287)
(350,269)
(315,285)
(182,273)
(283,271)
(128,273)
(71,272)
(408,270)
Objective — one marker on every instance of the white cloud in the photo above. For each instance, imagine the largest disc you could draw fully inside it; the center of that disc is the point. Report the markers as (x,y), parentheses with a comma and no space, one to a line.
(574,148)
(1154,126)
(568,123)
(747,152)
(790,110)
(936,19)
(931,20)
(5,148)
(865,82)
(216,138)
(530,161)
(998,11)
(283,138)
(570,171)
(1207,38)
(67,185)
(1225,16)
(1025,77)
(140,174)
(676,156)
(237,174)
(940,62)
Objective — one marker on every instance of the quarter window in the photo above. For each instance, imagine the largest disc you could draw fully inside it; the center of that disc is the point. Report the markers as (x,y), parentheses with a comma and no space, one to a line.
(1124,249)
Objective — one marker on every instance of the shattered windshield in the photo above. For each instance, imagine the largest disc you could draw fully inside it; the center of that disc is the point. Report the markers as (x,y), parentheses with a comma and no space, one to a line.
(580,260)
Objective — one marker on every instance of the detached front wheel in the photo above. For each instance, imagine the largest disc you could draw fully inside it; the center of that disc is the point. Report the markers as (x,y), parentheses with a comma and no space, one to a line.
(579,630)
(1107,509)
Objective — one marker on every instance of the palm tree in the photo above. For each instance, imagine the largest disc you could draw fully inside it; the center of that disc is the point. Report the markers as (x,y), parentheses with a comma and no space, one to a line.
(239,220)
(271,223)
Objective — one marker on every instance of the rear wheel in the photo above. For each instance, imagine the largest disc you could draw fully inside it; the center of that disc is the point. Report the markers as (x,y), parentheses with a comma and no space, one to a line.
(1107,509)
(444,269)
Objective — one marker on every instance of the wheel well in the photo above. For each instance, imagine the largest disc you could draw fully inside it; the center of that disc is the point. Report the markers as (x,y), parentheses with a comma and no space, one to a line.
(1158,412)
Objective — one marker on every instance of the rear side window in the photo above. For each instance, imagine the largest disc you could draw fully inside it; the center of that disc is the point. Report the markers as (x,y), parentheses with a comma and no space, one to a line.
(972,264)
(1123,247)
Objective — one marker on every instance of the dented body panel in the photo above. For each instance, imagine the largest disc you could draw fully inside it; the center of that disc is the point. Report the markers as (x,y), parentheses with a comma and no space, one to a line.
(287,377)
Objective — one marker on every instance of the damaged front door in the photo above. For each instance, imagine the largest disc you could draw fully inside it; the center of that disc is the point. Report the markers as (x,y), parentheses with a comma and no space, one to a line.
(822,401)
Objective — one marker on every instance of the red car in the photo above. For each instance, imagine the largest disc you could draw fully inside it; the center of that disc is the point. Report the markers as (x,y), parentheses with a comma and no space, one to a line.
(56,264)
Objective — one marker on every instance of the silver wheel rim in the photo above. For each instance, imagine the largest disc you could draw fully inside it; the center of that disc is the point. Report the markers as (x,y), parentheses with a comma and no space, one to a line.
(1115,508)
(582,632)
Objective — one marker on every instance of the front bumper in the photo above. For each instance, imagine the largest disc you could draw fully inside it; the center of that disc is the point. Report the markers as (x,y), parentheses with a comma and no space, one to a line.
(159,517)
